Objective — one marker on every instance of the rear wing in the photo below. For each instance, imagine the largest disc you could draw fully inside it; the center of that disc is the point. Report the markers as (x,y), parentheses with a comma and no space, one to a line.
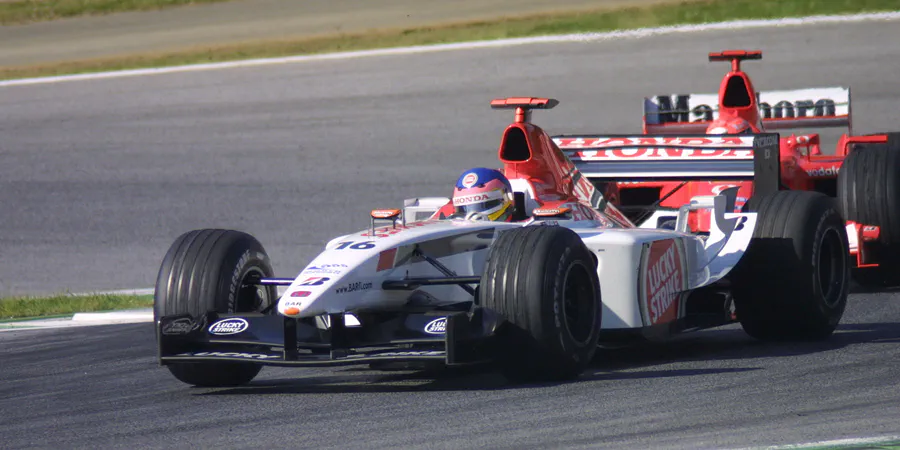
(670,158)
(779,110)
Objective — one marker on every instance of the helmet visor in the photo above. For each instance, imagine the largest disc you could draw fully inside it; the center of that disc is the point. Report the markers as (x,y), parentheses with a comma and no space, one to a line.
(478,207)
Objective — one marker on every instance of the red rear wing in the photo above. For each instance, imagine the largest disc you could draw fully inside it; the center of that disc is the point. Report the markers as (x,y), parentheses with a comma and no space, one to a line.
(523,106)
(735,56)
(730,55)
(524,102)
(779,110)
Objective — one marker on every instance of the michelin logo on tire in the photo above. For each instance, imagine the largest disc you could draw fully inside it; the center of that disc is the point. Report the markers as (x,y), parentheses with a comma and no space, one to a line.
(228,326)
(436,326)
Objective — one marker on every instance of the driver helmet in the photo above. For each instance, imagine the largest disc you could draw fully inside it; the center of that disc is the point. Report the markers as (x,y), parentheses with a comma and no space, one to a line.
(734,125)
(483,194)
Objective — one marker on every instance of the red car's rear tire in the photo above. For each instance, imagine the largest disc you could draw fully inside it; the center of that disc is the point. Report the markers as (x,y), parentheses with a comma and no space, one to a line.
(869,193)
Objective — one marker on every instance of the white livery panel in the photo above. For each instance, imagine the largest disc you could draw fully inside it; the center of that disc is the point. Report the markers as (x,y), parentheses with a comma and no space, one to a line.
(645,274)
(348,275)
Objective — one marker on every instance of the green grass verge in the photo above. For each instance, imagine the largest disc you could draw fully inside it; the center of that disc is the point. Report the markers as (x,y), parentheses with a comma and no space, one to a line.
(687,12)
(28,307)
(25,11)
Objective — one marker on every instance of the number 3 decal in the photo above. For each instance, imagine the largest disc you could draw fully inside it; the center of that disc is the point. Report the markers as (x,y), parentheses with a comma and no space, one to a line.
(354,245)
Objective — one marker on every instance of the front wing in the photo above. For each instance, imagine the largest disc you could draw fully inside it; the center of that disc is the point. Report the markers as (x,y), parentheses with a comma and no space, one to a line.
(465,338)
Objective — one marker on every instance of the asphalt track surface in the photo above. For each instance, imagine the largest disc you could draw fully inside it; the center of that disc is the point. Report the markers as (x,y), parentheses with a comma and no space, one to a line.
(100,176)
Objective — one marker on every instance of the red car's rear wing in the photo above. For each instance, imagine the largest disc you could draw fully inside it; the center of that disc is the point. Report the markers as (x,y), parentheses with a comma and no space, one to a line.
(698,157)
(779,110)
(523,106)
(735,56)
(776,110)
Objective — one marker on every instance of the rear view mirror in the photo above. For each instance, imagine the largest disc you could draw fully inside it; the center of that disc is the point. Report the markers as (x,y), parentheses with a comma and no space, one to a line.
(387,214)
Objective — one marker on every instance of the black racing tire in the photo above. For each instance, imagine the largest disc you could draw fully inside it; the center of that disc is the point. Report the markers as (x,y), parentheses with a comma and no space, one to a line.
(792,282)
(869,193)
(544,281)
(869,187)
(207,271)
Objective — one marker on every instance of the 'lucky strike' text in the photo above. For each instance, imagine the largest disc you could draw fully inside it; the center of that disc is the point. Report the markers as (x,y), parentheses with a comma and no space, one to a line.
(664,280)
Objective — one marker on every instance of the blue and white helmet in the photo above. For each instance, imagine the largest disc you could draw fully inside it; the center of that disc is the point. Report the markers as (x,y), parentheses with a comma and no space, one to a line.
(483,194)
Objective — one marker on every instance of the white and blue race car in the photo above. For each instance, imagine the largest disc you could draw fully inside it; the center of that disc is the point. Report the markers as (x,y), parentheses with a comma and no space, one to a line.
(535,295)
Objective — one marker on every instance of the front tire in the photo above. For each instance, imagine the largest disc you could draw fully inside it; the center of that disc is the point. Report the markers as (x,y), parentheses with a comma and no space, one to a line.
(793,281)
(544,281)
(209,271)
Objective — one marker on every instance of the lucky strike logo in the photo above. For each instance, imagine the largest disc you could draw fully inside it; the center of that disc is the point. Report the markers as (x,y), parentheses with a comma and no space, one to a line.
(470,179)
(436,326)
(180,326)
(824,172)
(233,355)
(664,281)
(228,326)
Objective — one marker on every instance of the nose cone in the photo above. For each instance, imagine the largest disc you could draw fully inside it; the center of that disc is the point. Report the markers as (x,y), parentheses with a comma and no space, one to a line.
(302,293)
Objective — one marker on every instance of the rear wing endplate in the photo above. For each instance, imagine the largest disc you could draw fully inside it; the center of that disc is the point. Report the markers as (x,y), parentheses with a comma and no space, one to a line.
(779,110)
(682,158)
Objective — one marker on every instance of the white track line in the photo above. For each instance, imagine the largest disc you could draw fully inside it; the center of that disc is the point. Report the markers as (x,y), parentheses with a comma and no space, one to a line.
(127,316)
(580,37)
(143,315)
(145,291)
(838,443)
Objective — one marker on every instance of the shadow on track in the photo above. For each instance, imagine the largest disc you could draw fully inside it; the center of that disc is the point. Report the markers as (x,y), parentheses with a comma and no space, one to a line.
(608,365)
(731,343)
(482,379)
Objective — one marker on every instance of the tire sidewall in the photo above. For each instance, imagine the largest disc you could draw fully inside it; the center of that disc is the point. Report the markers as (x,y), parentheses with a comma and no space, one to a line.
(205,271)
(241,261)
(776,286)
(525,281)
(560,338)
(832,307)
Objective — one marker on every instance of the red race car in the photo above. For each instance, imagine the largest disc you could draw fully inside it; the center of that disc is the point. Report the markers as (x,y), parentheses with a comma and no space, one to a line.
(687,150)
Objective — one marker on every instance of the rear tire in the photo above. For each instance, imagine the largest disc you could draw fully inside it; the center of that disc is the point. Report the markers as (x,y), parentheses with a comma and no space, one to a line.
(869,193)
(793,281)
(544,281)
(207,271)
